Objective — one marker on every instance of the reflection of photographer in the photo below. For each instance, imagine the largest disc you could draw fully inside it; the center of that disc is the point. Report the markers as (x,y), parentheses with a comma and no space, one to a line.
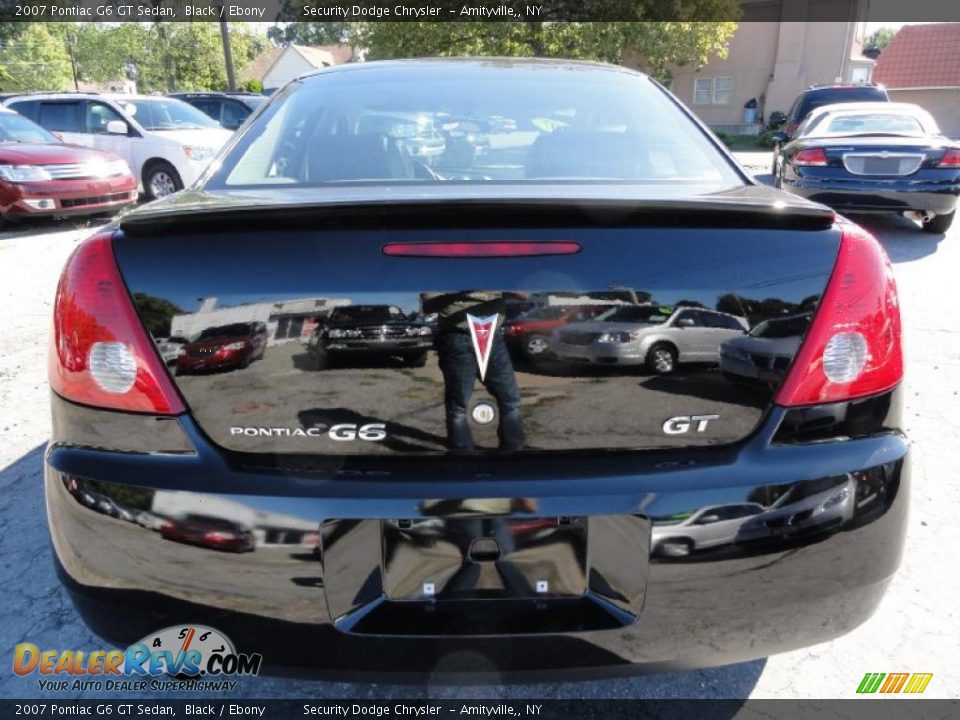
(458,347)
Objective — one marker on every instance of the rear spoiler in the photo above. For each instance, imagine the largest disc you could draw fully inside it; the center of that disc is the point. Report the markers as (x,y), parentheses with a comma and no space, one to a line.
(393,214)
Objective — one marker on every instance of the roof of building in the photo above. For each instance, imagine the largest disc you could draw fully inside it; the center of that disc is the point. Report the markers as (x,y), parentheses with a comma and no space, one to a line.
(921,56)
(260,64)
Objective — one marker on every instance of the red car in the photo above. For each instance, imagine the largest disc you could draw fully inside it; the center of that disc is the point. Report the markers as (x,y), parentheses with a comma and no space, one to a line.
(530,333)
(224,347)
(212,532)
(42,176)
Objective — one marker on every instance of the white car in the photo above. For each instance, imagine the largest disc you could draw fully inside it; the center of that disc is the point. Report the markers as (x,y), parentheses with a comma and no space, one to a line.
(709,527)
(166,142)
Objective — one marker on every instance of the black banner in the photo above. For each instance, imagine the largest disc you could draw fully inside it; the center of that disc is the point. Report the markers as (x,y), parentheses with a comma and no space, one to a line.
(487,709)
(473,10)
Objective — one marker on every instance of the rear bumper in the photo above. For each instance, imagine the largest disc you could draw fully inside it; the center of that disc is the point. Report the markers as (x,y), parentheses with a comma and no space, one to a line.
(355,607)
(876,196)
(600,353)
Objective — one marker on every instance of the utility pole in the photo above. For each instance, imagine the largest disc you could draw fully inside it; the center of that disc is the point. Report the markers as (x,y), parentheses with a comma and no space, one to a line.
(73,62)
(227,52)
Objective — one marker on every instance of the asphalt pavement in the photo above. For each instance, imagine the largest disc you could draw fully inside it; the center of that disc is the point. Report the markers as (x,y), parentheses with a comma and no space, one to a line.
(914,629)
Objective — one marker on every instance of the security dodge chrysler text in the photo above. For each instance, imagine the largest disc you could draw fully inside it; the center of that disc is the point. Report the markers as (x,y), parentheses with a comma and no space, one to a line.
(487,409)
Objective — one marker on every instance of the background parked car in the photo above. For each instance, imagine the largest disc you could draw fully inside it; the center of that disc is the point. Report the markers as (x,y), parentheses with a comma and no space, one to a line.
(819,95)
(875,158)
(658,337)
(40,175)
(229,109)
(166,142)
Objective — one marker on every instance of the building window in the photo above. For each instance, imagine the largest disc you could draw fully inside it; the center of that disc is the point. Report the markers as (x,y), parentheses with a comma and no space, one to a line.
(712,91)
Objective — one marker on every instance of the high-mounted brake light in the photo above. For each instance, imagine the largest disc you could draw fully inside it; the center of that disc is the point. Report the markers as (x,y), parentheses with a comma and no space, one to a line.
(816,157)
(950,159)
(480,249)
(852,348)
(99,352)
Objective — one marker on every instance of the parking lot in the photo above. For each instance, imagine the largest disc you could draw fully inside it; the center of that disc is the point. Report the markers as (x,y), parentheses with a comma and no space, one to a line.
(913,631)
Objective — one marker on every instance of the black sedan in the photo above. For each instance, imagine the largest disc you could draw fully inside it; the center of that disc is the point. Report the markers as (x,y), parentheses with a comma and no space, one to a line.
(875,158)
(465,532)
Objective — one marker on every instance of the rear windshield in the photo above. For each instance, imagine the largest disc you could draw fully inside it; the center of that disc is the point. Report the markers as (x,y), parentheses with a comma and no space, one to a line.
(867,124)
(838,95)
(473,124)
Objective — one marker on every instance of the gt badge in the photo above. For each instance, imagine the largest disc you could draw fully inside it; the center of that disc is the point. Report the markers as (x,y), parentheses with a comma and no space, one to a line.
(481,331)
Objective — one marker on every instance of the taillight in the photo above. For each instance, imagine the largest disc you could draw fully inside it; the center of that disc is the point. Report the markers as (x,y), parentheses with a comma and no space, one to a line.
(810,156)
(852,348)
(99,352)
(950,159)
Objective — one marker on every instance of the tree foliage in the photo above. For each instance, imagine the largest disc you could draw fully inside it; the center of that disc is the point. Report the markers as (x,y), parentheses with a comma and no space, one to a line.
(159,56)
(880,38)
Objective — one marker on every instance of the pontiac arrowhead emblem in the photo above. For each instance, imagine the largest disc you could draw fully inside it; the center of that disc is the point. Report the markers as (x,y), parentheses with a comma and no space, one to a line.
(481,332)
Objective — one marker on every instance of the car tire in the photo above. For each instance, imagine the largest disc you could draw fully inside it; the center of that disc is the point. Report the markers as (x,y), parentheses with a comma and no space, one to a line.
(676,547)
(535,345)
(661,359)
(160,179)
(939,224)
(319,360)
(416,361)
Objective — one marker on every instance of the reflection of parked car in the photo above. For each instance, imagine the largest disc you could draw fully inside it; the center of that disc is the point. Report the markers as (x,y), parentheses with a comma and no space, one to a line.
(765,352)
(224,347)
(209,531)
(876,158)
(41,176)
(708,527)
(657,337)
(381,330)
(530,333)
(806,508)
(149,520)
(415,134)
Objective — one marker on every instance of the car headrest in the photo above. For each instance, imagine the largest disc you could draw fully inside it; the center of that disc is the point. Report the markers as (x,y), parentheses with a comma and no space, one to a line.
(584,153)
(369,156)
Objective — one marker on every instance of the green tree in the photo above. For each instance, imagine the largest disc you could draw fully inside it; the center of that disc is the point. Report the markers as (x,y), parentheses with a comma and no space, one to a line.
(880,38)
(36,59)
(156,313)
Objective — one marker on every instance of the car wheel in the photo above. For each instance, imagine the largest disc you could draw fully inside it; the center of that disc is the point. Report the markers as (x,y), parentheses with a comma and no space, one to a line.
(536,345)
(320,360)
(161,179)
(676,547)
(662,359)
(939,224)
(417,361)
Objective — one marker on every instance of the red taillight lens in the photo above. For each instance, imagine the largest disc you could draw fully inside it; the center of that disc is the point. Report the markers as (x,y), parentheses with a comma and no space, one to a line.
(950,159)
(99,352)
(481,249)
(852,348)
(811,156)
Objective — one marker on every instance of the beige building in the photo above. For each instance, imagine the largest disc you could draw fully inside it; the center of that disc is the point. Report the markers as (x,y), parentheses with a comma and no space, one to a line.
(780,48)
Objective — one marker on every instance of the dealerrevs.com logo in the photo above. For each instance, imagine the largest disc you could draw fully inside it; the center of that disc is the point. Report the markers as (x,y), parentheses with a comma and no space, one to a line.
(892,683)
(200,657)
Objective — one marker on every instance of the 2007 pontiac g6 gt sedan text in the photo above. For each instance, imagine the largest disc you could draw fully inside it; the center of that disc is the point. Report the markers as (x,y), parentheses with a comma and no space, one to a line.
(476,511)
